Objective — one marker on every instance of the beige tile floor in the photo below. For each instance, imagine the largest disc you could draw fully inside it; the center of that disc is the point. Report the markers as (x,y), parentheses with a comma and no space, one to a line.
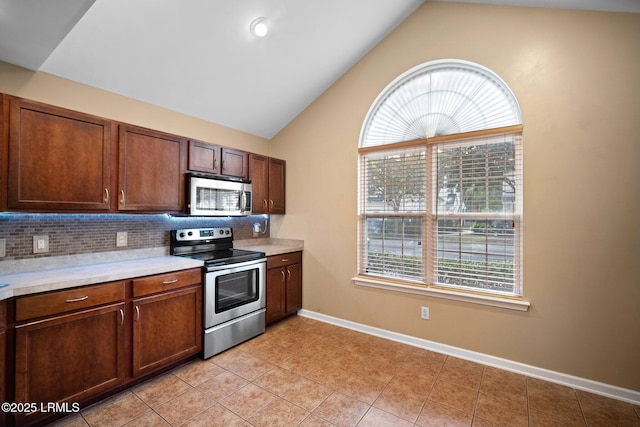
(308,373)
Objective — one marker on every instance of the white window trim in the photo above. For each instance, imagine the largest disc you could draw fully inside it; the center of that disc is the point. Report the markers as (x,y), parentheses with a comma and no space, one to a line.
(512,303)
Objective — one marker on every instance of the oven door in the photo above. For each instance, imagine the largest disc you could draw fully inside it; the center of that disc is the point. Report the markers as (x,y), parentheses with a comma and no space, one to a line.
(234,290)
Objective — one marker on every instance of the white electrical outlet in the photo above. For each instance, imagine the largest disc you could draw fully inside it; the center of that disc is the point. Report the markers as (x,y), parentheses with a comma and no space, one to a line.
(40,244)
(424,313)
(3,248)
(121,238)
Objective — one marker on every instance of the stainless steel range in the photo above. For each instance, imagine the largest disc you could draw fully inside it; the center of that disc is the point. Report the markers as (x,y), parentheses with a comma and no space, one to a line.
(234,286)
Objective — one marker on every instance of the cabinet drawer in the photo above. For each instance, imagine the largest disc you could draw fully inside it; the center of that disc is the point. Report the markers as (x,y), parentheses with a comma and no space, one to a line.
(164,282)
(67,300)
(281,260)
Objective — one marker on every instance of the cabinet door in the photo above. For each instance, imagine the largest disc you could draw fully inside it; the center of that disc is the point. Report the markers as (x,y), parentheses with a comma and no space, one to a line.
(204,157)
(234,163)
(294,288)
(151,170)
(3,357)
(59,159)
(70,357)
(167,327)
(259,176)
(276,186)
(276,281)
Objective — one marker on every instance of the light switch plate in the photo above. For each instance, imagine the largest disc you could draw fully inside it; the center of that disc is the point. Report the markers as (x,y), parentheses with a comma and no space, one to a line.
(40,244)
(121,238)
(3,248)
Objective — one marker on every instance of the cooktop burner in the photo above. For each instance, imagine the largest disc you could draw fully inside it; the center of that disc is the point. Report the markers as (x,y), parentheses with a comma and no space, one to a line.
(214,246)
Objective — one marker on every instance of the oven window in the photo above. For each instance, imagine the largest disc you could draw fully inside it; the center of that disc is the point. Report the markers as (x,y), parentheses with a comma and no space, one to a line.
(236,289)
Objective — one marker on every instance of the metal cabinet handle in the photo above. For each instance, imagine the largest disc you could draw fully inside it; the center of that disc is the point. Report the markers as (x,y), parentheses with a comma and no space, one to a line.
(122,317)
(86,297)
(224,165)
(106,195)
(215,163)
(270,204)
(168,282)
(285,260)
(264,203)
(288,274)
(122,197)
(283,278)
(137,313)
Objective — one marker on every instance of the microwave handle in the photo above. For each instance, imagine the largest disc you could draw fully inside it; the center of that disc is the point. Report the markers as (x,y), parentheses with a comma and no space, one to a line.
(244,201)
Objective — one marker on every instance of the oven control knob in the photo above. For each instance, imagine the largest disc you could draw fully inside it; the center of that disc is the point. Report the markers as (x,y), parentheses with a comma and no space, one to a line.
(227,232)
(181,234)
(221,231)
(190,233)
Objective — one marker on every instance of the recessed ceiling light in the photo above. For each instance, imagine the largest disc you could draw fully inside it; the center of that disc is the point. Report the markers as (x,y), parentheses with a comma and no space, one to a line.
(259,27)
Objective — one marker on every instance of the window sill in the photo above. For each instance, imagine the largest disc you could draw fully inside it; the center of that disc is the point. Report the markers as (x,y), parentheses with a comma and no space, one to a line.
(495,301)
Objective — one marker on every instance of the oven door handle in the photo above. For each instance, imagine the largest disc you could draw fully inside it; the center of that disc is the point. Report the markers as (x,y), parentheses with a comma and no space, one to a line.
(232,268)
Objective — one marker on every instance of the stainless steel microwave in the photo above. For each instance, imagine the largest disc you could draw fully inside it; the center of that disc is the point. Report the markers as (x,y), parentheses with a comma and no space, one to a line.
(214,196)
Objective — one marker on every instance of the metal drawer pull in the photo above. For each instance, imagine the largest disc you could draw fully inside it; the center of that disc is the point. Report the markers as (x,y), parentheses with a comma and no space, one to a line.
(86,297)
(106,195)
(168,282)
(285,259)
(137,313)
(122,199)
(122,314)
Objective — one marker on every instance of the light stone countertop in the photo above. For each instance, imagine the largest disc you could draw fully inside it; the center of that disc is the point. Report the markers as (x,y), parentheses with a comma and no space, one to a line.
(32,282)
(270,246)
(31,276)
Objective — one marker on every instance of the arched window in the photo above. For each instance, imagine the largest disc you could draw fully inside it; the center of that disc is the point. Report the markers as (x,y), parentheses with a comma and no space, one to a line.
(440,181)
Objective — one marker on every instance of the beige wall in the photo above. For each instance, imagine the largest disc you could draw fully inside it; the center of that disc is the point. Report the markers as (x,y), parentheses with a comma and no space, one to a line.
(53,90)
(575,75)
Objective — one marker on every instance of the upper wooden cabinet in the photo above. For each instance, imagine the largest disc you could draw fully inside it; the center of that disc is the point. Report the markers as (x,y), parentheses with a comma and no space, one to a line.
(259,176)
(276,186)
(267,184)
(58,159)
(151,170)
(204,157)
(214,159)
(234,163)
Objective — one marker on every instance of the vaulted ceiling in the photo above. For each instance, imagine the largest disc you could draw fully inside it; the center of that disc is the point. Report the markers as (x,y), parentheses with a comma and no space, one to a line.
(199,58)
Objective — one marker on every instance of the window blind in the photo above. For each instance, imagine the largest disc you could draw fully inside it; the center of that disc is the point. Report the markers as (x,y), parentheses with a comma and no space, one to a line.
(392,206)
(444,214)
(476,232)
(440,98)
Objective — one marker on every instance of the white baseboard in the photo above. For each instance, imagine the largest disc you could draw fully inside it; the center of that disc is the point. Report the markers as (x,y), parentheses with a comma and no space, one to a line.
(595,387)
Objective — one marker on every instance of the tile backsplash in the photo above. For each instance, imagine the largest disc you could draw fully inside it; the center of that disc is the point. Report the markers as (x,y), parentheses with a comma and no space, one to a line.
(71,234)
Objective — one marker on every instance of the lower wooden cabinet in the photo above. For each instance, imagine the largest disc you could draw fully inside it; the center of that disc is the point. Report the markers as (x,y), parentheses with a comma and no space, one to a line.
(284,285)
(78,344)
(276,291)
(70,357)
(3,358)
(166,327)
